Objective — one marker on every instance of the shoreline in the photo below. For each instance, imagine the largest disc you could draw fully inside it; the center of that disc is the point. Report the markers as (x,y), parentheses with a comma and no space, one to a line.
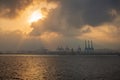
(48,54)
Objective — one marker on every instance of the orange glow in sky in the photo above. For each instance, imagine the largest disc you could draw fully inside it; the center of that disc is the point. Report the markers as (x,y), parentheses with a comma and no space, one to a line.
(35,16)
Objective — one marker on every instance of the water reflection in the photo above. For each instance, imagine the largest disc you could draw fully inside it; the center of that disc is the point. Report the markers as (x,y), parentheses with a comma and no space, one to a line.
(58,68)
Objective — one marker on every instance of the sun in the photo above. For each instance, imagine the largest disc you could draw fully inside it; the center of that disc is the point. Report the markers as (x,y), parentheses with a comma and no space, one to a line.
(35,16)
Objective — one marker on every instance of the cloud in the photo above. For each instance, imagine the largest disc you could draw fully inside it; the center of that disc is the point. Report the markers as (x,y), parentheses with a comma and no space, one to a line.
(11,8)
(17,40)
(71,15)
(10,40)
(77,20)
(104,36)
(82,12)
(68,23)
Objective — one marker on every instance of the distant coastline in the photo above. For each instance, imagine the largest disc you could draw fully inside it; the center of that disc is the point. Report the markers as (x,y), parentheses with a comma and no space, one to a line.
(61,53)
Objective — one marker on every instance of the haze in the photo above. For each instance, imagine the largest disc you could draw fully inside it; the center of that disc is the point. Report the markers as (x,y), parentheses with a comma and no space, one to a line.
(32,24)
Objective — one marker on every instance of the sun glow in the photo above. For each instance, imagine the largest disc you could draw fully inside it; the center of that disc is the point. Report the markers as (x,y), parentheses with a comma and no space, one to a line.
(36,15)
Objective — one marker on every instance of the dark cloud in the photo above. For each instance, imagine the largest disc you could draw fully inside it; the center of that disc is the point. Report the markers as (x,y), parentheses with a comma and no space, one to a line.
(92,12)
(11,8)
(71,15)
(68,21)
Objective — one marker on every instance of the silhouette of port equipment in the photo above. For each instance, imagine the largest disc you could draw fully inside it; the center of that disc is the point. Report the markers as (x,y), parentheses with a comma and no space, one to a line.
(60,49)
(89,47)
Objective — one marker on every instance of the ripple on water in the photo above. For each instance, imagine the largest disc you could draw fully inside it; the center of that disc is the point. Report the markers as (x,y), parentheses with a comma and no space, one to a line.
(59,68)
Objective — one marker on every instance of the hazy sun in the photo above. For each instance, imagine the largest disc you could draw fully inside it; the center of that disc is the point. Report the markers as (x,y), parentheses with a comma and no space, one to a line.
(36,15)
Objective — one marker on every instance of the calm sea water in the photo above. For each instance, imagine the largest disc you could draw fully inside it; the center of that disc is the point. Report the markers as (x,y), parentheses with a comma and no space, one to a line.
(59,67)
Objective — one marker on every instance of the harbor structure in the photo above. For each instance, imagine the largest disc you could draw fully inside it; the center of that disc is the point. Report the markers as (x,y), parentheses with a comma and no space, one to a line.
(89,46)
(79,49)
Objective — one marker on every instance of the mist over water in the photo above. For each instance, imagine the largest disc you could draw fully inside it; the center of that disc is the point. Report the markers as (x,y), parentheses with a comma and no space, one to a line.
(59,67)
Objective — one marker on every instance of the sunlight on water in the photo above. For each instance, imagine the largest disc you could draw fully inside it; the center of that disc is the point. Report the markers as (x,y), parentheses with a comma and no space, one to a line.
(59,67)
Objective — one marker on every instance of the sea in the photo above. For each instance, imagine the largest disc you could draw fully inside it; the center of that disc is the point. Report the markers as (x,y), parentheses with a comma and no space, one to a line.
(59,67)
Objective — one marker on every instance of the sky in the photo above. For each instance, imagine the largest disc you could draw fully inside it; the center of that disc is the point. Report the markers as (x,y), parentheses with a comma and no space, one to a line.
(35,24)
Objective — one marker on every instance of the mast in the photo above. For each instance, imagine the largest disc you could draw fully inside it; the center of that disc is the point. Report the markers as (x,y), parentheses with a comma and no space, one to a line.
(92,46)
(86,47)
